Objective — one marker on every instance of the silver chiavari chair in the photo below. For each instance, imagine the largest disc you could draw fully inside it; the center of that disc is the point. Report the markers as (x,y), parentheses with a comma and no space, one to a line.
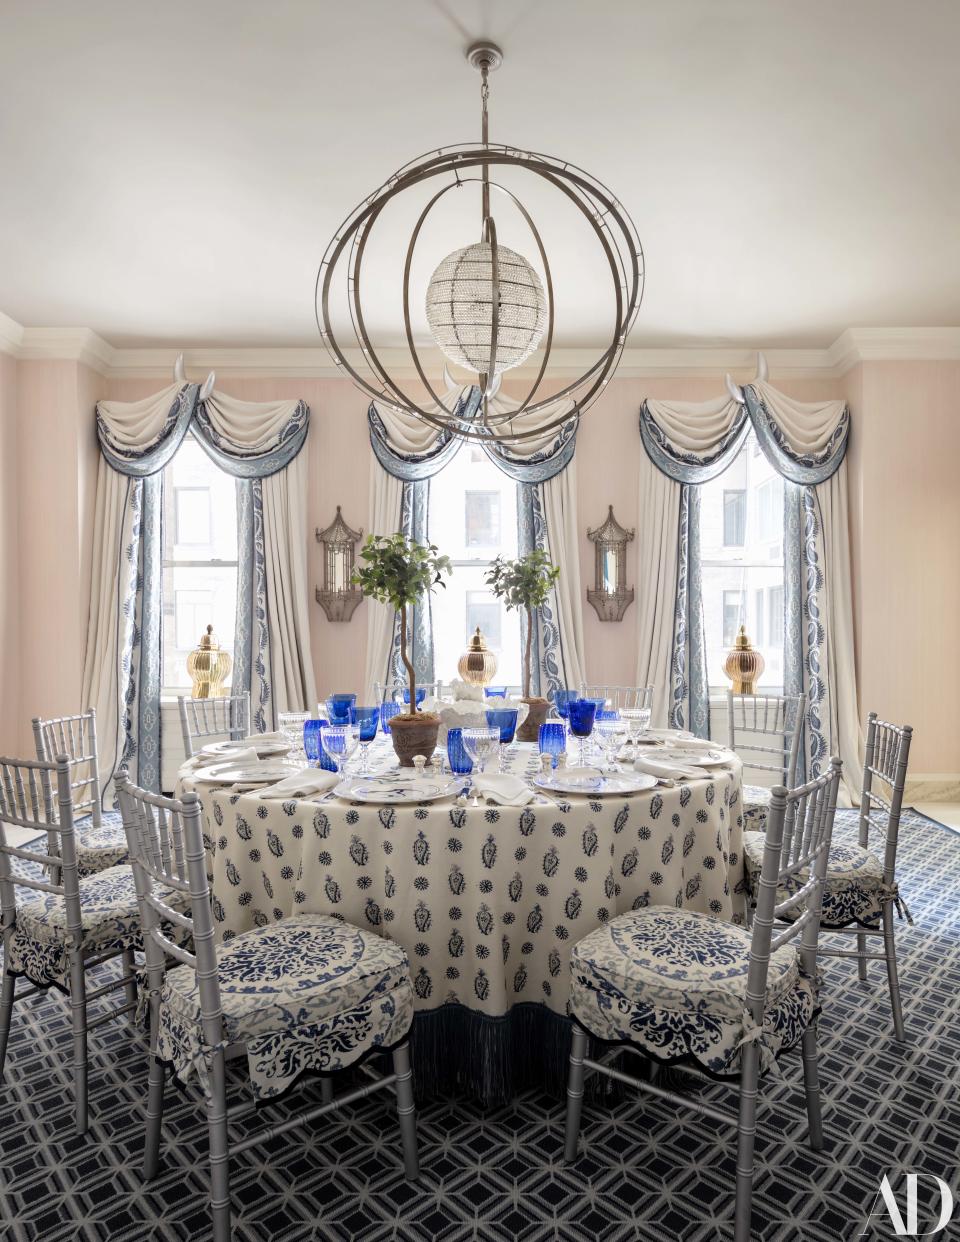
(224,717)
(99,836)
(768,716)
(886,757)
(306,993)
(664,983)
(68,927)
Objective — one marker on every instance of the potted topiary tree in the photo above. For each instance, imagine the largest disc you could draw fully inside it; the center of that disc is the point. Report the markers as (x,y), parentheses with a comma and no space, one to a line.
(525,583)
(397,571)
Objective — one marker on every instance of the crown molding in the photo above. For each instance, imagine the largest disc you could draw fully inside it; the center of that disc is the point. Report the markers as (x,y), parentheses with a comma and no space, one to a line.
(853,346)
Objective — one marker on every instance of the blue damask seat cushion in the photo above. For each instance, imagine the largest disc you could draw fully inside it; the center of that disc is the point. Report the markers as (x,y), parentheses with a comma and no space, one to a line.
(854,891)
(756,805)
(109,919)
(674,983)
(103,847)
(309,992)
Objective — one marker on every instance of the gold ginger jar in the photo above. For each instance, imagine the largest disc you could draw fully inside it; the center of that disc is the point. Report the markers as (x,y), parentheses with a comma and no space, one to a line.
(208,667)
(477,665)
(744,664)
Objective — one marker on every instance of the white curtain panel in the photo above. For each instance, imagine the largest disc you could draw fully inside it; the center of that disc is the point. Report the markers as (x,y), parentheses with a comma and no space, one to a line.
(563,537)
(658,537)
(288,589)
(807,426)
(107,597)
(845,727)
(386,504)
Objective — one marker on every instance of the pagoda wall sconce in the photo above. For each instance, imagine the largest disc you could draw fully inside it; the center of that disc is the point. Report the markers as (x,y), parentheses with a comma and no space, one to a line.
(610,596)
(338,597)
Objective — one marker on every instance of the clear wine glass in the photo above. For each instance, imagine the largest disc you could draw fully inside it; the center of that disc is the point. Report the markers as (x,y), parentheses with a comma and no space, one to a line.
(481,745)
(611,734)
(291,725)
(340,742)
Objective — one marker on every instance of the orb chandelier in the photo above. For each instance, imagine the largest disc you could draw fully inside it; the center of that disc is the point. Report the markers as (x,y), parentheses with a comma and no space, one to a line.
(487,308)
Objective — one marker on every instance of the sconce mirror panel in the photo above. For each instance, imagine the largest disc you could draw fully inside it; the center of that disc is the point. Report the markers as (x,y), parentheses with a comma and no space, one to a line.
(611,596)
(338,597)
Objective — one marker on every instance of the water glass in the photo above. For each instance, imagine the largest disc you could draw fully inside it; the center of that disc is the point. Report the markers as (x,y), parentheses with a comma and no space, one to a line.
(291,725)
(338,707)
(481,745)
(611,734)
(638,721)
(562,700)
(504,720)
(340,742)
(582,713)
(367,720)
(553,739)
(459,760)
(312,747)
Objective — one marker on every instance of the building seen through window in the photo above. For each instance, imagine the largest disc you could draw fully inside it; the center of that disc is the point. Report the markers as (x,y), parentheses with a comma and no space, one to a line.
(473,518)
(741,555)
(199,558)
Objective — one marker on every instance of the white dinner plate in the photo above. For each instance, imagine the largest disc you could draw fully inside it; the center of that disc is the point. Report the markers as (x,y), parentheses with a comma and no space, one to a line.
(393,790)
(603,783)
(223,750)
(690,757)
(267,771)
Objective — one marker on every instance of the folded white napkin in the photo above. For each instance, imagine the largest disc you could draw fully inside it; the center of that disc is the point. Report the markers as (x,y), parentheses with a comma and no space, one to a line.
(503,788)
(653,766)
(235,759)
(302,784)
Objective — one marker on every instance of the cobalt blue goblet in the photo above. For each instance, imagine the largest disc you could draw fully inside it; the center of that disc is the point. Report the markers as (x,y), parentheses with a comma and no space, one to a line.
(582,713)
(368,718)
(562,700)
(504,719)
(338,708)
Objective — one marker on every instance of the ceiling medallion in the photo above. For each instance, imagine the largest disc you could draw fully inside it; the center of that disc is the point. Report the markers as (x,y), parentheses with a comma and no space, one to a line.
(488,309)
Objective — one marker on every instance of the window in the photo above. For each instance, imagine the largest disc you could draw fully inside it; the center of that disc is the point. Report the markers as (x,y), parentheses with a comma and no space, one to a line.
(481,513)
(734,518)
(199,558)
(473,518)
(741,559)
(731,617)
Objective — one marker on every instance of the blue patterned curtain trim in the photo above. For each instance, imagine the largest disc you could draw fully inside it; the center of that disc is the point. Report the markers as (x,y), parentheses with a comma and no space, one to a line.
(243,628)
(244,465)
(690,697)
(155,455)
(261,676)
(151,621)
(546,674)
(803,468)
(689,467)
(793,605)
(414,514)
(540,466)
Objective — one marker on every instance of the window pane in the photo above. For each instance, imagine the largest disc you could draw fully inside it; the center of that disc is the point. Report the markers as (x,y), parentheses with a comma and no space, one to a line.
(731,617)
(734,518)
(193,598)
(487,612)
(758,630)
(194,524)
(482,519)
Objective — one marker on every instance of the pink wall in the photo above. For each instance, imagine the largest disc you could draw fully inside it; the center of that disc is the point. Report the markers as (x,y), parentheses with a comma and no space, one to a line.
(905,528)
(9,558)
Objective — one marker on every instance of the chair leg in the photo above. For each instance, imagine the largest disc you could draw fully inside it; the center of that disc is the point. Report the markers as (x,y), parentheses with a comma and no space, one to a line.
(6,1013)
(129,961)
(78,1019)
(890,952)
(326,1089)
(862,961)
(216,1097)
(151,1142)
(406,1111)
(746,1134)
(578,1050)
(811,1084)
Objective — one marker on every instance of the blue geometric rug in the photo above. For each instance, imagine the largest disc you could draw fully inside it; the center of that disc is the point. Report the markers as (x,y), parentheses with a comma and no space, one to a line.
(647,1171)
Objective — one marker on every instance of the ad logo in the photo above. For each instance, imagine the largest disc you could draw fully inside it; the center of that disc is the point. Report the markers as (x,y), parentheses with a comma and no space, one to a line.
(905,1224)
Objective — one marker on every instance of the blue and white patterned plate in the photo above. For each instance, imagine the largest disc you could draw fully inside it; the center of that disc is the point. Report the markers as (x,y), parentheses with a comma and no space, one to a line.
(394,789)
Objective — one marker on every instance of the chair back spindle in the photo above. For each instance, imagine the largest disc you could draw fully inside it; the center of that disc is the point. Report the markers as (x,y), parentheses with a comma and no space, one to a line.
(886,756)
(767,716)
(75,737)
(201,718)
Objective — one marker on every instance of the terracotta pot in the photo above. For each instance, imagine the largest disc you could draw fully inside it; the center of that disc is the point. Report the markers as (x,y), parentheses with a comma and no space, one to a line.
(529,731)
(414,735)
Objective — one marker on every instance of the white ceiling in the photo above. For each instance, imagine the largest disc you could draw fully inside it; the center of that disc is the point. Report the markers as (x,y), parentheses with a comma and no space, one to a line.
(171,173)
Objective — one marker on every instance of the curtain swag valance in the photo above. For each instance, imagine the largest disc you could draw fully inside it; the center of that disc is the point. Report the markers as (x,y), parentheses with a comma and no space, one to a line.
(412,450)
(694,442)
(249,440)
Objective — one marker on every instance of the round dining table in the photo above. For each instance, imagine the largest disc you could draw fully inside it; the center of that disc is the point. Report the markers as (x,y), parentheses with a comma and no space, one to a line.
(487,900)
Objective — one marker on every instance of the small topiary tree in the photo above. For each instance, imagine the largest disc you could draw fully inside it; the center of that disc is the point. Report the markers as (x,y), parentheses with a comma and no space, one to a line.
(398,571)
(523,583)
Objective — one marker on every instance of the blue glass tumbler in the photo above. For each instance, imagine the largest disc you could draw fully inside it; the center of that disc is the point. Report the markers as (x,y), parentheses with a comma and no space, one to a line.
(388,709)
(311,745)
(460,761)
(338,708)
(553,739)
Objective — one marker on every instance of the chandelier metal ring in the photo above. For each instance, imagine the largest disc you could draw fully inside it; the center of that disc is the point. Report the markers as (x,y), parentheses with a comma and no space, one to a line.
(610,225)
